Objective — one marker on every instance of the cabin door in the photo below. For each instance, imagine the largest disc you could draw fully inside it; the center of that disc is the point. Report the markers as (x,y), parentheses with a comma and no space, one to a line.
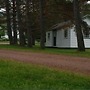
(54,37)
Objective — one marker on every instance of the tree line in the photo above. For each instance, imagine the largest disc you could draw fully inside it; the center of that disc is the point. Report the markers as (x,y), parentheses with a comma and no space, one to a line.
(31,18)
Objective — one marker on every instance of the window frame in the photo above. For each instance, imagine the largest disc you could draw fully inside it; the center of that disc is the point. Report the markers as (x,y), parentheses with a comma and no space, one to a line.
(66,33)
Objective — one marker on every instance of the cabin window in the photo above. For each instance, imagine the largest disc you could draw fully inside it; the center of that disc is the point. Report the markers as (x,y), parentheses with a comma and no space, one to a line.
(86,35)
(48,36)
(66,33)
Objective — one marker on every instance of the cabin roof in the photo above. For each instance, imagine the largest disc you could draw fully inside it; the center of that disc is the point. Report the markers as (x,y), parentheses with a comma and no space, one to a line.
(66,24)
(86,16)
(62,25)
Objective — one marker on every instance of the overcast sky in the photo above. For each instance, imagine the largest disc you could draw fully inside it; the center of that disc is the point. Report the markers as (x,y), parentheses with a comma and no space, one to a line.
(88,1)
(2,10)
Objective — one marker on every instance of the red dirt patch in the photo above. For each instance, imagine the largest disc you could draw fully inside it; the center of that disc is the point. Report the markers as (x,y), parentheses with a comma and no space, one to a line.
(62,62)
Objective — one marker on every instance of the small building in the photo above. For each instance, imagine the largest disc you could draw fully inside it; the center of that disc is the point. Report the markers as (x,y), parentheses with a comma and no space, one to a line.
(63,35)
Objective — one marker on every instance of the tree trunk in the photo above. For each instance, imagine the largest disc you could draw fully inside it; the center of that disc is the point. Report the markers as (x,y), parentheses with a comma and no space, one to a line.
(19,17)
(14,22)
(42,24)
(9,31)
(80,40)
(28,18)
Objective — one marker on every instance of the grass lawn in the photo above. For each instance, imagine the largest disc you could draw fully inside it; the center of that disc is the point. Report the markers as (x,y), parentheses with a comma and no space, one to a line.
(72,52)
(22,76)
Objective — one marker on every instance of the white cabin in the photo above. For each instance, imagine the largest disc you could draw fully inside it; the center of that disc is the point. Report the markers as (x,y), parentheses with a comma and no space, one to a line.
(65,37)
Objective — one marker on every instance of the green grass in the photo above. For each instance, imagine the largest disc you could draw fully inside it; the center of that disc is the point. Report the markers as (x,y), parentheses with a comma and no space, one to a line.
(72,52)
(22,76)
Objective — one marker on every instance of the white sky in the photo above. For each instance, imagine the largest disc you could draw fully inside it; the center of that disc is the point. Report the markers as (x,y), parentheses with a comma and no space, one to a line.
(88,1)
(2,10)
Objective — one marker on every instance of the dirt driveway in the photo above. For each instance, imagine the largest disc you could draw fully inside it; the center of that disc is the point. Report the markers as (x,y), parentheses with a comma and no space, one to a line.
(62,62)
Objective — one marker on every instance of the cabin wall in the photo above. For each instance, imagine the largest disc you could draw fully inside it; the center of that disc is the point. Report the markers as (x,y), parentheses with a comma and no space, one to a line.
(87,43)
(49,39)
(73,40)
(63,42)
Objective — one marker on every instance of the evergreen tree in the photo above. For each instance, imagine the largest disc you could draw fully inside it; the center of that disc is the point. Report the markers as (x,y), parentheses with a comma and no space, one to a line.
(20,24)
(42,23)
(28,22)
(9,30)
(14,22)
